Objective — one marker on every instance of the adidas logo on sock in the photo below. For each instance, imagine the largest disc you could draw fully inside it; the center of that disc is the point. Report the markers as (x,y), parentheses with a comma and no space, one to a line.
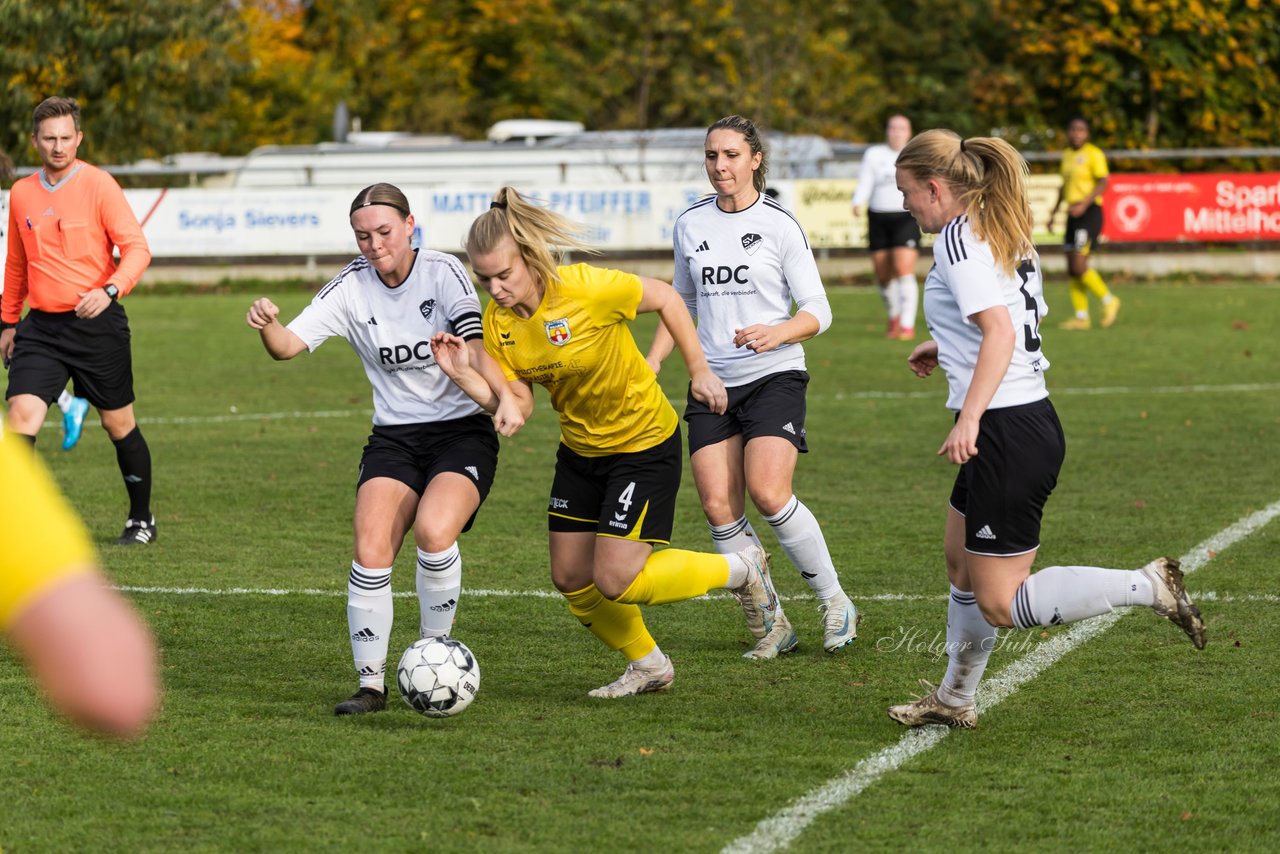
(789,428)
(984,533)
(702,247)
(370,671)
(364,636)
(473,471)
(447,606)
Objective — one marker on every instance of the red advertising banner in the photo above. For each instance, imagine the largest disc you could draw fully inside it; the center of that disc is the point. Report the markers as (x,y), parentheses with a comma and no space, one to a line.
(1193,207)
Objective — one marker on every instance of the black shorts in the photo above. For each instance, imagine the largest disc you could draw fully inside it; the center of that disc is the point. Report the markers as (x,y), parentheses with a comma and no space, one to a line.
(772,406)
(631,496)
(415,453)
(1002,491)
(892,230)
(51,347)
(1082,231)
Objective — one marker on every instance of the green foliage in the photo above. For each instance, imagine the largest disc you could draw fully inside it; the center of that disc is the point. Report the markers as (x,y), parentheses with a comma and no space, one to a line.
(1131,738)
(152,77)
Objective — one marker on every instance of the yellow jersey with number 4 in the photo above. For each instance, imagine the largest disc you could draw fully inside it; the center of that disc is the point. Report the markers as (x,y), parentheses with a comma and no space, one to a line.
(578,345)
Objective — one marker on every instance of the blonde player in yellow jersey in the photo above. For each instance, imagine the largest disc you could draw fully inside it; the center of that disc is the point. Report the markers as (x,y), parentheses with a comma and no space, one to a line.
(618,466)
(1084,177)
(86,647)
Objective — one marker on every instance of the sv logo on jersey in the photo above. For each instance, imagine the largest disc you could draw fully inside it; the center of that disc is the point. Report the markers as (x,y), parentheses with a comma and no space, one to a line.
(751,242)
(558,332)
(725,275)
(427,307)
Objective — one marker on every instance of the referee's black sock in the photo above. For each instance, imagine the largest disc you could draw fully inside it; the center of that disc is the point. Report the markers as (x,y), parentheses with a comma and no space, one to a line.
(134,458)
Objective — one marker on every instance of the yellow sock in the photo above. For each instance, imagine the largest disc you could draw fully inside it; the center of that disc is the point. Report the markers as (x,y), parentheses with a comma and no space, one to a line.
(1093,282)
(1079,297)
(673,575)
(620,627)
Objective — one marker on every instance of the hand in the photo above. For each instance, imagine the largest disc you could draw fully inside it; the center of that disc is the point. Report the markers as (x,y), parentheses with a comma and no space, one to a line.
(962,442)
(709,388)
(92,303)
(654,364)
(6,345)
(758,338)
(508,419)
(451,353)
(924,358)
(262,314)
(1077,209)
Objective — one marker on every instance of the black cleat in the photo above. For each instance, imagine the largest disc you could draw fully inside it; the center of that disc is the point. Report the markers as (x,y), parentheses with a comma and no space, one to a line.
(138,532)
(362,702)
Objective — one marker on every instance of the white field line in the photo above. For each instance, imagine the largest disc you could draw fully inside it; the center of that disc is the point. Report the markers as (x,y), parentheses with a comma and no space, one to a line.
(780,829)
(1205,596)
(234,417)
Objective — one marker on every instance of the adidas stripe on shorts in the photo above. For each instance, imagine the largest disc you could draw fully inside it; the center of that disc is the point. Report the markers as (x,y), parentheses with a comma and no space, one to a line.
(1002,491)
(415,453)
(770,406)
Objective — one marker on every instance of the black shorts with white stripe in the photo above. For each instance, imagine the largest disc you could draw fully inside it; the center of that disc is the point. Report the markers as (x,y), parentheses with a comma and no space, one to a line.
(1002,491)
(770,406)
(415,453)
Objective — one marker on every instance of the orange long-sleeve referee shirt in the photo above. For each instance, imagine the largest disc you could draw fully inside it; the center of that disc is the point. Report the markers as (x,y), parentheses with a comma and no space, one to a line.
(61,240)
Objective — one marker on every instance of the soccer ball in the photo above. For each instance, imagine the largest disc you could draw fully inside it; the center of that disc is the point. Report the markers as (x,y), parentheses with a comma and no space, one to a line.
(438,677)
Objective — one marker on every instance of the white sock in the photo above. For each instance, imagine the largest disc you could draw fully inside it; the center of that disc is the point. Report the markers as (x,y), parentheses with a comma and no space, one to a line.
(1065,594)
(369,611)
(801,538)
(652,661)
(64,400)
(890,300)
(734,537)
(439,586)
(970,639)
(908,301)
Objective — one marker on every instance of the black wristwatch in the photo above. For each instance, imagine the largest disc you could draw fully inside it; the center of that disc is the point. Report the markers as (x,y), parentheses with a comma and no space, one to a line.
(113,292)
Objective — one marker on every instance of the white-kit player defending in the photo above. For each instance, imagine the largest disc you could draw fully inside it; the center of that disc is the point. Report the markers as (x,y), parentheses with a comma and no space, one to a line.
(740,260)
(433,452)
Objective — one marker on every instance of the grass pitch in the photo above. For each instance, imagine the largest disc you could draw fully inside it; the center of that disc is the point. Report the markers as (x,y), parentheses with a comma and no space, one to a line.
(1133,740)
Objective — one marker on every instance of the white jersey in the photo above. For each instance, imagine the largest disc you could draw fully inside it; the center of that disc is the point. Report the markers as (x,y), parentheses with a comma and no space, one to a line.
(390,329)
(965,280)
(736,269)
(878,181)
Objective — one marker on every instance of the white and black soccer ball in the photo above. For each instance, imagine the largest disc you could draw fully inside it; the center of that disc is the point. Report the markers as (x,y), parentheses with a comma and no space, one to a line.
(438,677)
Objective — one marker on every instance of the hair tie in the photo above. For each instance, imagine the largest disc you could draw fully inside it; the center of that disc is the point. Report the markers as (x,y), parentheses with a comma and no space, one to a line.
(385,204)
(493,205)
(962,146)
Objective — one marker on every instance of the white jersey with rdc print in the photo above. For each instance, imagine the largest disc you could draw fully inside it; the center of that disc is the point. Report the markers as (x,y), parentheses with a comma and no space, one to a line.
(390,329)
(965,280)
(736,269)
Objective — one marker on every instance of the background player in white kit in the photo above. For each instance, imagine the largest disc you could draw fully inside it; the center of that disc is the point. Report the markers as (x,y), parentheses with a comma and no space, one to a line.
(740,260)
(983,303)
(433,453)
(892,235)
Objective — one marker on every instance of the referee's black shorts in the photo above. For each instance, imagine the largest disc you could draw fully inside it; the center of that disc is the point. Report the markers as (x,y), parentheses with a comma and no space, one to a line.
(51,347)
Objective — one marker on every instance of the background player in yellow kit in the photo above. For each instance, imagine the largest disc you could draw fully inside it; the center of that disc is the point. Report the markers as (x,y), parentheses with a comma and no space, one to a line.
(1084,177)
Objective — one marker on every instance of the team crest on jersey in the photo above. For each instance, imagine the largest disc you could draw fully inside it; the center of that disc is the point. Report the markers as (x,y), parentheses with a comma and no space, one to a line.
(751,242)
(558,332)
(427,307)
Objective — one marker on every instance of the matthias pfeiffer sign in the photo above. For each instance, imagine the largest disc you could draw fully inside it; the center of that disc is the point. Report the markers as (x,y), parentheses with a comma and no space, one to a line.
(1193,207)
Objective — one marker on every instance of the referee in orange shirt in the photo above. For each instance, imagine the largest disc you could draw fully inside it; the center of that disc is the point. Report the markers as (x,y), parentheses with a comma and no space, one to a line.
(63,222)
